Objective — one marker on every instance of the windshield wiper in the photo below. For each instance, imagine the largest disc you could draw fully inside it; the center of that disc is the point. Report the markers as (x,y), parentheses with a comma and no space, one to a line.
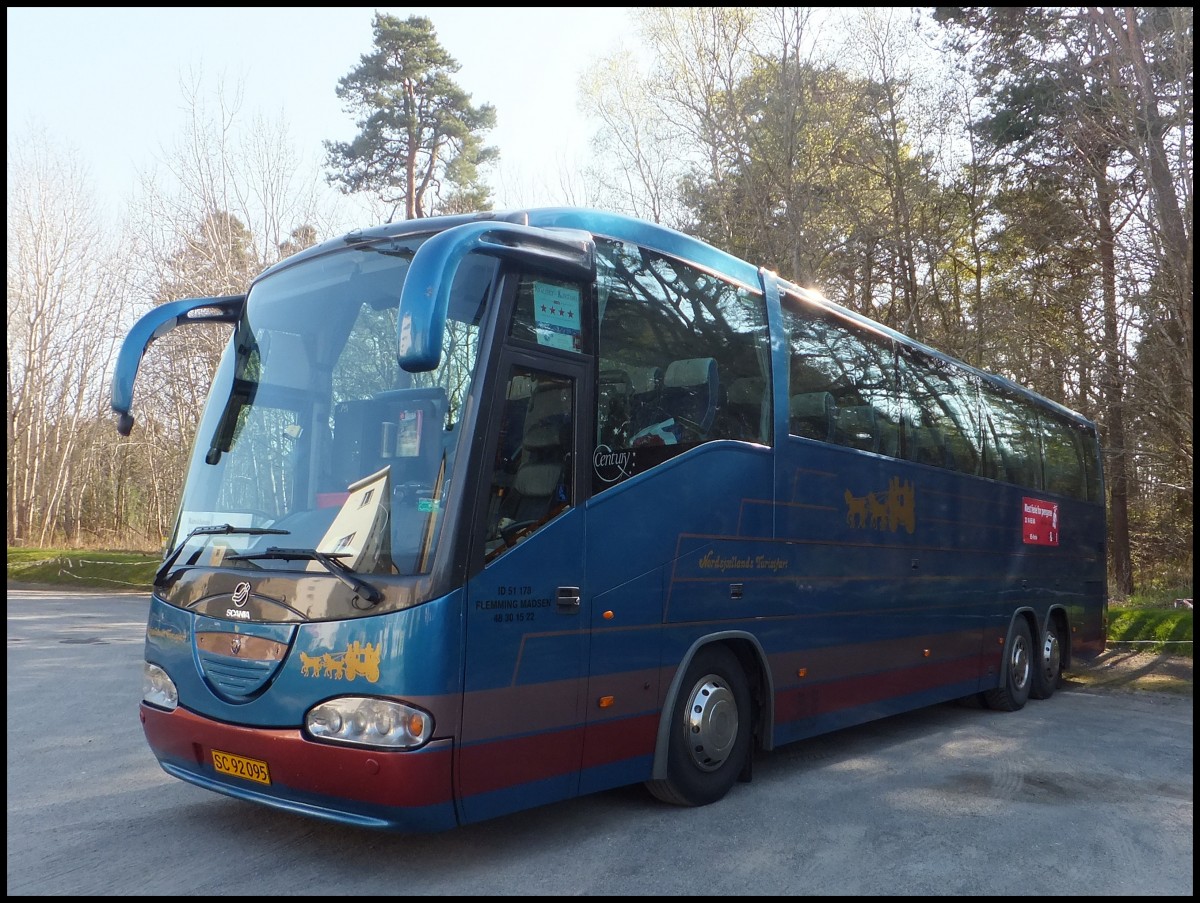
(330,560)
(212,530)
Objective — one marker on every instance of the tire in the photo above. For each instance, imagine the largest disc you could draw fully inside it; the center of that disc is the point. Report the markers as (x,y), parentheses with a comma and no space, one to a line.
(709,731)
(1019,661)
(1047,672)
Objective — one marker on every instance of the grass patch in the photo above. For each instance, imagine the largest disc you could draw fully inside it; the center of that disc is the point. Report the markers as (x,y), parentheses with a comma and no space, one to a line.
(1151,630)
(82,568)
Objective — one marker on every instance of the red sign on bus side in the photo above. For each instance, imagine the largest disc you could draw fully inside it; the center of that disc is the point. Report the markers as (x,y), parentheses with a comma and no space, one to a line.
(1039,522)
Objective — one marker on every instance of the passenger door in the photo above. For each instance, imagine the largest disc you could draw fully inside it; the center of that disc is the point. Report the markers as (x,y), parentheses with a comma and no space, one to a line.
(526,651)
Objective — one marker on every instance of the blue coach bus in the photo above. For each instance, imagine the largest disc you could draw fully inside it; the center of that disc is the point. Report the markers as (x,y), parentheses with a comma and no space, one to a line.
(490,511)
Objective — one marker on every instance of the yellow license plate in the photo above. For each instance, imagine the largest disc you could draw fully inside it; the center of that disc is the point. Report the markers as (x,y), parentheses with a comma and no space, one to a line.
(241,767)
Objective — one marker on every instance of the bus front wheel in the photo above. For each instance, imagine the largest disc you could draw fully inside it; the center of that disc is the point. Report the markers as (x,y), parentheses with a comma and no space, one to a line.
(1019,654)
(709,731)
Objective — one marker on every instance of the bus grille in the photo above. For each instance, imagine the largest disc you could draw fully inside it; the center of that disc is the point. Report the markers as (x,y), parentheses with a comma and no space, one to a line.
(236,680)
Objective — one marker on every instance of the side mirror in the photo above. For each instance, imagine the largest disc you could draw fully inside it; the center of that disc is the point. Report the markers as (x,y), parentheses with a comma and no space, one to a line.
(154,325)
(425,297)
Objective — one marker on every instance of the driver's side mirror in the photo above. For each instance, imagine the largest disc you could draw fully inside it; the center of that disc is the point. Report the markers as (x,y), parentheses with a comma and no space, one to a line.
(425,298)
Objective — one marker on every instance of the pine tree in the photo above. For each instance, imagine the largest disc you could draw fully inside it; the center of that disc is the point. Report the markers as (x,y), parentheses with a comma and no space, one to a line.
(420,141)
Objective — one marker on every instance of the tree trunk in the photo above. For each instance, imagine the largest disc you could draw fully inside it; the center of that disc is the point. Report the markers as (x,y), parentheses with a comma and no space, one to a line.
(1118,457)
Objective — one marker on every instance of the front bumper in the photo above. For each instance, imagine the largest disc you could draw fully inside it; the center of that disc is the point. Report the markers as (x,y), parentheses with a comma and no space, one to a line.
(397,790)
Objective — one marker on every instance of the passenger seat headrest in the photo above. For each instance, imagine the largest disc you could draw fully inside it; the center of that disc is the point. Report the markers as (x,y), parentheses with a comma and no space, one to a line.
(694,371)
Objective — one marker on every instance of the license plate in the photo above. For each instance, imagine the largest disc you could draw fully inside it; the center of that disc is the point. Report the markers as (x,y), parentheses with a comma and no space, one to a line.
(241,767)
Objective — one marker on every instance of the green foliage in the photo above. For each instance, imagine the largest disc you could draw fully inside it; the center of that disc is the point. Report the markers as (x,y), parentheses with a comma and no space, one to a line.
(1084,108)
(419,145)
(216,257)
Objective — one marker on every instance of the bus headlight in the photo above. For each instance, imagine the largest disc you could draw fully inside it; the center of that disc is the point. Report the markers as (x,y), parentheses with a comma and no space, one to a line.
(157,688)
(368,721)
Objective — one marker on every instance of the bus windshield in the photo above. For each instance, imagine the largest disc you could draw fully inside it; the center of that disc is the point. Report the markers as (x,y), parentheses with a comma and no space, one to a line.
(314,431)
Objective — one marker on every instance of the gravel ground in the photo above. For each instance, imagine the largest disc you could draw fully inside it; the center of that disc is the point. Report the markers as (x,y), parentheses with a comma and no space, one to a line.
(1120,669)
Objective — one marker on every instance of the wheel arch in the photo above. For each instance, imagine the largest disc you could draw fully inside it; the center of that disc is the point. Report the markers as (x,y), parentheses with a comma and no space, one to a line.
(750,655)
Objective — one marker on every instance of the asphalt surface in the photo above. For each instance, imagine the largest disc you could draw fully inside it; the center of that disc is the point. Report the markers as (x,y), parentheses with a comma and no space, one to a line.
(1087,793)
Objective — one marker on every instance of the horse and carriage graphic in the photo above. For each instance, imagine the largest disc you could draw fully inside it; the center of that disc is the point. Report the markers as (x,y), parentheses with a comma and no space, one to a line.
(358,660)
(889,510)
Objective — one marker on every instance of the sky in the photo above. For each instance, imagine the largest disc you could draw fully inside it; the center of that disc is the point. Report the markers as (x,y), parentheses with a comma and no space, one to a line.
(106,82)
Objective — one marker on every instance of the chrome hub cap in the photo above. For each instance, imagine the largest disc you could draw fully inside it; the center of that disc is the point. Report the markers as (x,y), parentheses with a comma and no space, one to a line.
(1051,656)
(1020,664)
(711,722)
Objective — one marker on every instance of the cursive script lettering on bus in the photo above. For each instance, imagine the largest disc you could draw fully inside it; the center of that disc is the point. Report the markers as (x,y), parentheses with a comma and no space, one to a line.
(610,465)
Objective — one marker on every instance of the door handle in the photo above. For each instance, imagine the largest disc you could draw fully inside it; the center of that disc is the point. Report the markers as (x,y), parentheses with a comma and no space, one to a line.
(568,600)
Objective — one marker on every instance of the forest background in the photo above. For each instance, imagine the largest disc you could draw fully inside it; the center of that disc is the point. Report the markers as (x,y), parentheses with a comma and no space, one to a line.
(1012,186)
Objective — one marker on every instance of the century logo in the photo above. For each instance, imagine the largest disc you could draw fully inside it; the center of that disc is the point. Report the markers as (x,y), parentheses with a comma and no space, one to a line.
(610,465)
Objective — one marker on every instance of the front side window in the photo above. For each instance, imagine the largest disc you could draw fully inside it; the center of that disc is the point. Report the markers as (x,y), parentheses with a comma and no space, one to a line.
(550,313)
(532,475)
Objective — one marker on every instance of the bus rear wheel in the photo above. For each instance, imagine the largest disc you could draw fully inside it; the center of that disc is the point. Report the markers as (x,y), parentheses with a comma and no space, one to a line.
(1048,673)
(709,739)
(1018,672)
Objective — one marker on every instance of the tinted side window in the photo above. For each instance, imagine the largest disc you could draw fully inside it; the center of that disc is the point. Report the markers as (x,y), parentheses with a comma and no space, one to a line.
(1013,447)
(941,413)
(684,359)
(1063,458)
(1091,463)
(842,381)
